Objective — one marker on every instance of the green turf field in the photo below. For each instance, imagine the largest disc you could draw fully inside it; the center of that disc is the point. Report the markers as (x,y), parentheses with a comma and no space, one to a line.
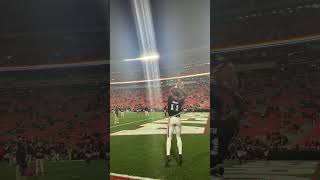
(62,170)
(143,155)
(133,120)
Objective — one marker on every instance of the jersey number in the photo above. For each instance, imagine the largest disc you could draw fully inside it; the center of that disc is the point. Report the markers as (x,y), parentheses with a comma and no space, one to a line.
(172,107)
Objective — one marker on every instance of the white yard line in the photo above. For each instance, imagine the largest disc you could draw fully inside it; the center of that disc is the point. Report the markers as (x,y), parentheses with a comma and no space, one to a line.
(131,177)
(130,123)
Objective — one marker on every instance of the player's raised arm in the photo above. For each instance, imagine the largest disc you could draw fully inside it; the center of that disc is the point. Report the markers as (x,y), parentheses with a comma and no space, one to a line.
(180,89)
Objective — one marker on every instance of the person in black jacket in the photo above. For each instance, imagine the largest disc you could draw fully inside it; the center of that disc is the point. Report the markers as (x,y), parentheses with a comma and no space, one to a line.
(21,165)
(227,110)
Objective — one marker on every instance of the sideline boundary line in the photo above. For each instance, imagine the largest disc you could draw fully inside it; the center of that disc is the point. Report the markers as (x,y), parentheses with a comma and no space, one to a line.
(130,177)
(130,123)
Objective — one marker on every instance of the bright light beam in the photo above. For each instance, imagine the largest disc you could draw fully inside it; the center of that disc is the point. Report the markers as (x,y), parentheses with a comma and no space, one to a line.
(149,52)
(145,58)
(144,25)
(147,40)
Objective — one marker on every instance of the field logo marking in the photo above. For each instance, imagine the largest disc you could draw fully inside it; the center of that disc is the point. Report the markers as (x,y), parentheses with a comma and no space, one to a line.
(160,126)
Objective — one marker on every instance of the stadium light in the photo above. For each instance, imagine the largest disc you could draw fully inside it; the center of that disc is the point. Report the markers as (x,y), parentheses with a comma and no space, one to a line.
(145,58)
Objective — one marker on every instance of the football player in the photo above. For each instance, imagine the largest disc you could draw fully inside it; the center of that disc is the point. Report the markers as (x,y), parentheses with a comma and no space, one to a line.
(39,151)
(165,109)
(116,116)
(122,112)
(174,104)
(146,112)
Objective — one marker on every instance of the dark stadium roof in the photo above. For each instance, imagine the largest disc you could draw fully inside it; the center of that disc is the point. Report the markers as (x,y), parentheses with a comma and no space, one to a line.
(227,7)
(275,55)
(254,21)
(50,32)
(55,76)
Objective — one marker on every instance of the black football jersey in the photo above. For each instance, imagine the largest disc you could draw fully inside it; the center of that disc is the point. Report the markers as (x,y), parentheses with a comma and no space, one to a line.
(174,106)
(117,111)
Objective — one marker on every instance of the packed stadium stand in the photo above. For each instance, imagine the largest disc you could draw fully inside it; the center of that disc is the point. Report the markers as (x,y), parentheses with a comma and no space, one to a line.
(273,97)
(281,112)
(281,109)
(57,109)
(128,97)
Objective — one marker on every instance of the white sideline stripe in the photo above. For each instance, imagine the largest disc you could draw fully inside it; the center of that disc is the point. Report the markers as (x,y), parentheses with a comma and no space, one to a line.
(52,161)
(131,177)
(130,123)
(65,161)
(182,122)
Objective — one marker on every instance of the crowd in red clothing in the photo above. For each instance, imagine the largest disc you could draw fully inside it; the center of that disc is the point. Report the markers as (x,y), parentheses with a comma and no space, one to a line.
(283,101)
(69,115)
(198,95)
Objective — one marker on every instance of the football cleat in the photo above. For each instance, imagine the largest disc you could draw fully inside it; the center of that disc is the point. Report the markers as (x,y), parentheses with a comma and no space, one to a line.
(180,160)
(167,161)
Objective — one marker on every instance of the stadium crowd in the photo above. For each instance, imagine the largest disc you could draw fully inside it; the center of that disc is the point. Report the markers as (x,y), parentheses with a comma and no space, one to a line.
(70,123)
(285,101)
(131,99)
